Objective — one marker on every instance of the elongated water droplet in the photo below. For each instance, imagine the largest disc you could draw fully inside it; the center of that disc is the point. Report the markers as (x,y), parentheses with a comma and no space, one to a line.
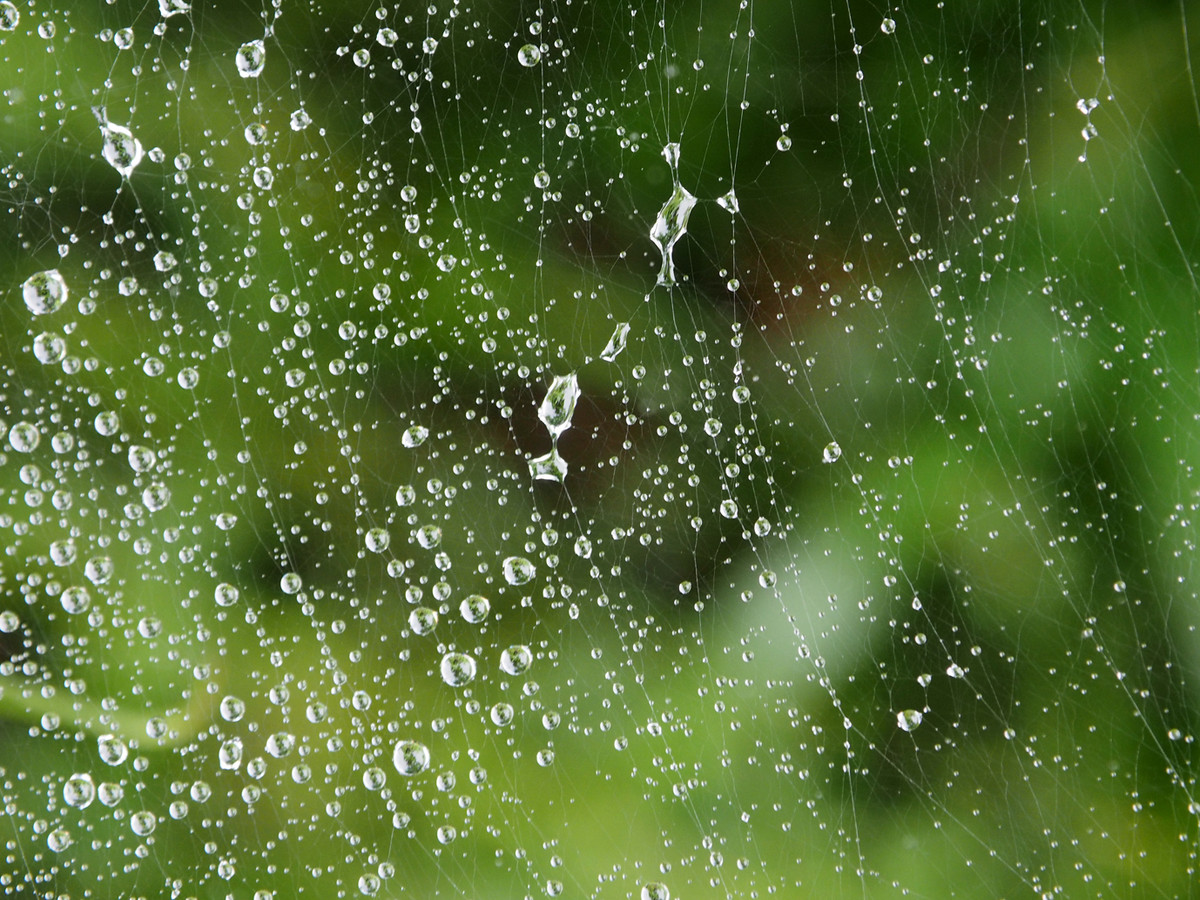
(616,343)
(168,8)
(672,220)
(550,467)
(559,405)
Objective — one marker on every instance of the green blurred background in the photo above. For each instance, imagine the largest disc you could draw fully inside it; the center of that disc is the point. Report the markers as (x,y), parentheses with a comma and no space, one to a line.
(982,291)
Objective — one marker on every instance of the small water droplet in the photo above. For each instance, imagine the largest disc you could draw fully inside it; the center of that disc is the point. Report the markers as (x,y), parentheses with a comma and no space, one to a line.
(832,452)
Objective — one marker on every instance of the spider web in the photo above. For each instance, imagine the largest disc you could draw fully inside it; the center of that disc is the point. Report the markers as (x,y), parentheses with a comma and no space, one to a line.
(604,450)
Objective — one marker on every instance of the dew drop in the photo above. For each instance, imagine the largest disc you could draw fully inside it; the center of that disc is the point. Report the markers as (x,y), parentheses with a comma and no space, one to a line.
(410,758)
(909,719)
(45,292)
(458,669)
(518,570)
(671,223)
(832,452)
(251,58)
(616,343)
(529,56)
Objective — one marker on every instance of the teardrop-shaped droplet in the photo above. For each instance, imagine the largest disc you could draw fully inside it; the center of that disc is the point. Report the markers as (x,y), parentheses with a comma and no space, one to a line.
(121,149)
(616,343)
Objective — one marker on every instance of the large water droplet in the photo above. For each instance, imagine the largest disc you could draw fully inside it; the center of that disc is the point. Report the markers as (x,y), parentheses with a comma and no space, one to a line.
(475,608)
(655,890)
(518,570)
(832,452)
(79,791)
(44,292)
(9,15)
(458,669)
(112,749)
(909,719)
(251,58)
(672,220)
(168,8)
(410,758)
(121,150)
(516,659)
(529,56)
(558,407)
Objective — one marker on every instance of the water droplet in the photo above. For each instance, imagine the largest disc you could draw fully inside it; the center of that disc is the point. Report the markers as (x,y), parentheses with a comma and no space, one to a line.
(729,202)
(549,467)
(529,55)
(79,791)
(251,58)
(229,756)
(290,583)
(9,15)
(516,660)
(458,669)
(475,608)
(888,26)
(559,405)
(141,459)
(423,620)
(107,423)
(58,840)
(729,509)
(300,120)
(24,437)
(784,143)
(954,670)
(909,719)
(280,744)
(113,750)
(168,8)
(44,292)
(75,600)
(406,495)
(232,709)
(377,540)
(832,452)
(672,220)
(616,343)
(143,822)
(410,758)
(121,150)
(414,436)
(502,714)
(655,890)
(49,347)
(518,570)
(225,594)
